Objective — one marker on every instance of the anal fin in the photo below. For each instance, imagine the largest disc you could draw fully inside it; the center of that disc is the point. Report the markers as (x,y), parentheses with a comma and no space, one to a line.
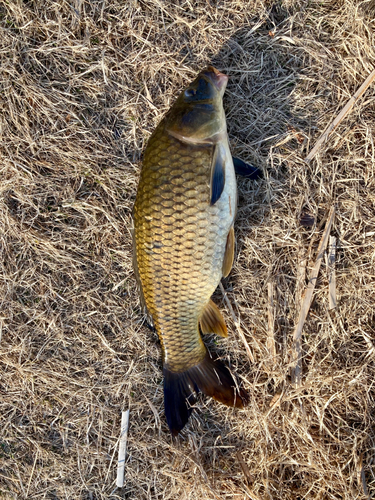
(212,321)
(229,253)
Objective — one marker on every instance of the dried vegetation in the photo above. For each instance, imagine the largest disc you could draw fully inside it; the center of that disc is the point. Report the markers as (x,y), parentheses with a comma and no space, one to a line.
(82,85)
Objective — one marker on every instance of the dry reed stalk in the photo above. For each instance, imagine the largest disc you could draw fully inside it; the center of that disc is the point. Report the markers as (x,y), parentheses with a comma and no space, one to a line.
(332,272)
(343,113)
(306,302)
(301,275)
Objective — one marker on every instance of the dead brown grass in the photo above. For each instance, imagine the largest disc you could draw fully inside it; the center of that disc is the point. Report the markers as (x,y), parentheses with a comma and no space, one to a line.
(82,86)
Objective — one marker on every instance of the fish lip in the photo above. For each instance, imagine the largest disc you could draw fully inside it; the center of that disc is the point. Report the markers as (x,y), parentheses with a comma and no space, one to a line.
(219,79)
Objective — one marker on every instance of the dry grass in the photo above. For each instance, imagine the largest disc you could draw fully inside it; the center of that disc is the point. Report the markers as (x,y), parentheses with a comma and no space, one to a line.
(82,86)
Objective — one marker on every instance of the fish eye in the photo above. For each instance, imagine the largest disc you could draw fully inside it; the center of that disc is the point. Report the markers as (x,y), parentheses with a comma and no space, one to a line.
(190,92)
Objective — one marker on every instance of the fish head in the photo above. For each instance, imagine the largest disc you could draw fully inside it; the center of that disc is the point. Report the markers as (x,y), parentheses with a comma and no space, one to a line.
(197,115)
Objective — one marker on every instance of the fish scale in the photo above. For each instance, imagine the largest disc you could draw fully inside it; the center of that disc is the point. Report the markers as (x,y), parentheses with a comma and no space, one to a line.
(177,230)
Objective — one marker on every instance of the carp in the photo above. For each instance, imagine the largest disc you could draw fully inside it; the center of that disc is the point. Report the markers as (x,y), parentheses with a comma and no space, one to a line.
(184,242)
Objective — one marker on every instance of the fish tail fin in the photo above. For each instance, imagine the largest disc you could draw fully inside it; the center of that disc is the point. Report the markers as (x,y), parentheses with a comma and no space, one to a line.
(211,377)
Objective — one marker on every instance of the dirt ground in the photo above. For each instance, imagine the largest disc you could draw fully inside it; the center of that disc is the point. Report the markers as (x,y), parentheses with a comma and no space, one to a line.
(82,86)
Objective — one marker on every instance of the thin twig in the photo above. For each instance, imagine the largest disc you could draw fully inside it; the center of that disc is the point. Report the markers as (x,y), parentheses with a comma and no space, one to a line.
(336,122)
(301,275)
(31,475)
(271,323)
(245,468)
(332,272)
(297,336)
(122,448)
(20,480)
(361,476)
(237,324)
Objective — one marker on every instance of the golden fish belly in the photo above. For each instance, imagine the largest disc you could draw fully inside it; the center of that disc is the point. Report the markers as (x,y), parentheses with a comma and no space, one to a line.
(180,241)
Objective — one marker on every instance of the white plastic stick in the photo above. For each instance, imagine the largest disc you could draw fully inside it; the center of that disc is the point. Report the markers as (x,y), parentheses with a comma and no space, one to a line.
(122,449)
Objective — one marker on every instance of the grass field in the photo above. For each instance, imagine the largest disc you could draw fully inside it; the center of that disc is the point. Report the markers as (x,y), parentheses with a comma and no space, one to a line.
(82,86)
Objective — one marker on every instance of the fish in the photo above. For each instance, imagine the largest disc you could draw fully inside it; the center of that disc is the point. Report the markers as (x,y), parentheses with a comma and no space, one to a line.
(183,240)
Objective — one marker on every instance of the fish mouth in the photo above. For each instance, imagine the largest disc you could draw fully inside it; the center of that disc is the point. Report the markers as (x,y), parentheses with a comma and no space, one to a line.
(219,79)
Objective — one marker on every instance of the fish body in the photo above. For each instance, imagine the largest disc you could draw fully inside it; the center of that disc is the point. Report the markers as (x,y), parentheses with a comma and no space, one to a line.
(184,242)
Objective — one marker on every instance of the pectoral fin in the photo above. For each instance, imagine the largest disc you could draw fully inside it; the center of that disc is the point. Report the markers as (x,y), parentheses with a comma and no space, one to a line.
(217,173)
(229,253)
(245,170)
(212,321)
